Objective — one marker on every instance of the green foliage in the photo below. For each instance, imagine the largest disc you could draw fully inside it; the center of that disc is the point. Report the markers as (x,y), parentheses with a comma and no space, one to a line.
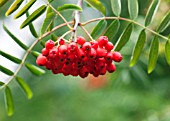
(38,12)
(167,51)
(133,8)
(98,29)
(14,7)
(96,4)
(6,71)
(153,55)
(138,48)
(2,2)
(124,38)
(116,7)
(9,101)
(1,84)
(34,69)
(151,12)
(69,7)
(24,86)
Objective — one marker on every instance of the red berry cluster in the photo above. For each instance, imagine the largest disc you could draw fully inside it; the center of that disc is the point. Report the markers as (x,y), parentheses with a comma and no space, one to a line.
(79,58)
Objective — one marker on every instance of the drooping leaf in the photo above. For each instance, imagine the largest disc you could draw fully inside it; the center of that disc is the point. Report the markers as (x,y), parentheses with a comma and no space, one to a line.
(24,9)
(9,101)
(15,38)
(151,12)
(54,37)
(69,7)
(24,86)
(32,28)
(98,29)
(165,22)
(2,84)
(35,53)
(47,22)
(124,37)
(38,12)
(138,48)
(96,4)
(50,1)
(10,57)
(113,26)
(2,2)
(167,51)
(153,55)
(14,7)
(6,71)
(116,7)
(34,69)
(133,8)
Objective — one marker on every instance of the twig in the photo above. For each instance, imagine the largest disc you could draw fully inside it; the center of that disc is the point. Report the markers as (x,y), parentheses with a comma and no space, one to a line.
(124,19)
(63,36)
(88,34)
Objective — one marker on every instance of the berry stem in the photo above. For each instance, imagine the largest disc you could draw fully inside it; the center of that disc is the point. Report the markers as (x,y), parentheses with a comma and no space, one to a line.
(124,19)
(68,32)
(76,20)
(88,34)
(30,49)
(60,16)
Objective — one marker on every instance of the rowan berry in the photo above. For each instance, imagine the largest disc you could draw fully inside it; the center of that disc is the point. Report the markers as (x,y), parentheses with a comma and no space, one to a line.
(108,46)
(45,52)
(61,42)
(117,57)
(111,68)
(81,40)
(101,52)
(102,40)
(49,44)
(41,60)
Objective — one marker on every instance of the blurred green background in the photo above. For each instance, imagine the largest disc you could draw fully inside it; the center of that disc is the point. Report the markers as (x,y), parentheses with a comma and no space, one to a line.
(129,94)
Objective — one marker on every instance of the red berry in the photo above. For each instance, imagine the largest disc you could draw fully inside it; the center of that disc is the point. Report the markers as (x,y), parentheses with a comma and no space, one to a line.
(111,67)
(101,52)
(103,71)
(109,46)
(53,53)
(41,60)
(49,44)
(94,44)
(63,49)
(61,41)
(80,53)
(109,57)
(80,40)
(72,47)
(92,54)
(45,52)
(84,72)
(86,46)
(117,57)
(102,40)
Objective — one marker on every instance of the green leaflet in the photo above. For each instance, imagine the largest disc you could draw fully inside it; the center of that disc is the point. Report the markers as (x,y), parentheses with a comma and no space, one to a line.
(32,28)
(24,9)
(2,2)
(38,12)
(133,8)
(151,12)
(96,4)
(2,84)
(6,71)
(9,101)
(165,22)
(138,48)
(34,69)
(47,22)
(112,29)
(35,53)
(50,1)
(167,51)
(54,37)
(15,38)
(116,7)
(24,86)
(98,29)
(69,7)
(10,57)
(153,55)
(14,7)
(124,37)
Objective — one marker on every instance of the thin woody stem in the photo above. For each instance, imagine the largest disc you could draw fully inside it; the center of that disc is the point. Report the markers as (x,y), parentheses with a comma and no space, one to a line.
(30,49)
(68,32)
(60,16)
(124,19)
(88,34)
(76,20)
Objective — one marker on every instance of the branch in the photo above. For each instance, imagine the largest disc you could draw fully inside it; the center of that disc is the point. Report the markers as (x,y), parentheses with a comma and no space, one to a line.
(76,20)
(30,49)
(124,19)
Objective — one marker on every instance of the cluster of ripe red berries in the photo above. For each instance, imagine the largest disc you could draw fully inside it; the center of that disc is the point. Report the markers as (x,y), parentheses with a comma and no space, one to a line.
(80,57)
